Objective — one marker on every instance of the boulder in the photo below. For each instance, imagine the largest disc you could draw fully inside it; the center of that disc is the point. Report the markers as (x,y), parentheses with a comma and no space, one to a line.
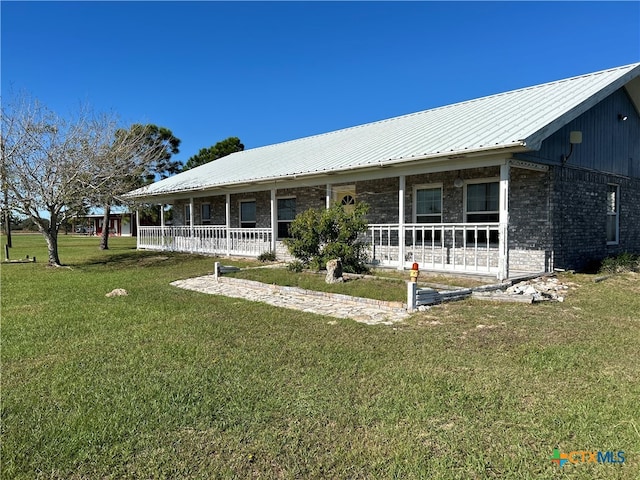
(118,292)
(334,271)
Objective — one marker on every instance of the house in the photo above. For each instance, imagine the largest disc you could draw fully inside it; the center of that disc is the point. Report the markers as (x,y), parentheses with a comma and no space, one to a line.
(530,180)
(121,223)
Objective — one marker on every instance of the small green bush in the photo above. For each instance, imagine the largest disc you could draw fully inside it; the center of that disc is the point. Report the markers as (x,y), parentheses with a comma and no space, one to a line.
(320,235)
(295,266)
(267,256)
(625,262)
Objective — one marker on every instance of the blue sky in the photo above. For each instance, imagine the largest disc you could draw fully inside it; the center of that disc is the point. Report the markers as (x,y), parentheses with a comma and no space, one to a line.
(268,72)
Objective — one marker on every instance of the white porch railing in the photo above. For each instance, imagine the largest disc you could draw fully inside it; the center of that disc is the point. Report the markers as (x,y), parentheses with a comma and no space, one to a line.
(209,239)
(463,247)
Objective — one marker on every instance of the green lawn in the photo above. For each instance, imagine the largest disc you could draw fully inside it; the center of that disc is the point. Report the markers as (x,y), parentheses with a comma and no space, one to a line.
(168,383)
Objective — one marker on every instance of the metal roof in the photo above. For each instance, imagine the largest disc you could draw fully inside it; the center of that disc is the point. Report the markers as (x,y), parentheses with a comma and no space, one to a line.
(522,117)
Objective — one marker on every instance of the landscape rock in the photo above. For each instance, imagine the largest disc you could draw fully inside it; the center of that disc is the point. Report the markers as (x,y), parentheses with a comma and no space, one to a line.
(334,271)
(118,292)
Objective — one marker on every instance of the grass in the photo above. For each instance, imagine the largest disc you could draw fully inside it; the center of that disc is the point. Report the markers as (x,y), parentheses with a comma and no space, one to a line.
(380,284)
(167,383)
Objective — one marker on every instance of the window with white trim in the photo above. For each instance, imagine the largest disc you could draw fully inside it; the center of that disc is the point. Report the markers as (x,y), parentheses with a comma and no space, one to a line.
(613,214)
(482,206)
(286,214)
(427,208)
(205,213)
(187,214)
(248,214)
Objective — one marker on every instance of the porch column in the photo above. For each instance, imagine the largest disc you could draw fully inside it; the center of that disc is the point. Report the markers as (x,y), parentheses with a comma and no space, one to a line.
(503,240)
(162,223)
(227,215)
(401,246)
(137,229)
(274,220)
(328,197)
(191,215)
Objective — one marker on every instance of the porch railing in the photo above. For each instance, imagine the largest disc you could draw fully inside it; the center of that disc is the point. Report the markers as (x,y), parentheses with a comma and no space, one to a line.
(210,239)
(464,247)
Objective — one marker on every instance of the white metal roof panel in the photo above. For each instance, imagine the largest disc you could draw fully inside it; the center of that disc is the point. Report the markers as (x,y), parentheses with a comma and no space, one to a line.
(520,117)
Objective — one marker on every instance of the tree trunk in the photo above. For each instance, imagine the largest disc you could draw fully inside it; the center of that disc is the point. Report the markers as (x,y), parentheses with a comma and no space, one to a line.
(104,238)
(7,226)
(50,233)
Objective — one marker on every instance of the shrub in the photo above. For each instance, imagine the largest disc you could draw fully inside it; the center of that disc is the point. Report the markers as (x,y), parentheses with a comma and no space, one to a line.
(267,256)
(295,266)
(320,235)
(625,262)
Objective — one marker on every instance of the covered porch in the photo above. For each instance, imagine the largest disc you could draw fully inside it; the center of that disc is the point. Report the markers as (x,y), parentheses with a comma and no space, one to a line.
(470,247)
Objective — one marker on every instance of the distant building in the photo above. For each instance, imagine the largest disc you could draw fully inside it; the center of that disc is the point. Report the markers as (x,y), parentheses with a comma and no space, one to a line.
(121,223)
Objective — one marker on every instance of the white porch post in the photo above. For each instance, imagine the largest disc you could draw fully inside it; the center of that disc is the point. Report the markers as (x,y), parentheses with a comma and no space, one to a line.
(503,240)
(401,246)
(328,197)
(274,220)
(227,215)
(191,215)
(162,223)
(137,229)
(191,223)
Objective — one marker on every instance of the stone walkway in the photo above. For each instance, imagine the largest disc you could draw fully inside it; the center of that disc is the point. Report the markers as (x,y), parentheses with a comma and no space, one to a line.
(361,310)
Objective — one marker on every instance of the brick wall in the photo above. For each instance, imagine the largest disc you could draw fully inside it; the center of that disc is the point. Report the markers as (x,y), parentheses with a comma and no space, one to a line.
(579,206)
(530,232)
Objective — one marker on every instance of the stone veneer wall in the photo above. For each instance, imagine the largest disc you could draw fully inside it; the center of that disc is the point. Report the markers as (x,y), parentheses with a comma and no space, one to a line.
(579,206)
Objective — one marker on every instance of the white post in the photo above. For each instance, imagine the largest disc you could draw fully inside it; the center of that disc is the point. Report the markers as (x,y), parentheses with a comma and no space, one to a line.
(503,240)
(192,241)
(162,223)
(227,214)
(137,229)
(401,246)
(328,197)
(412,288)
(274,220)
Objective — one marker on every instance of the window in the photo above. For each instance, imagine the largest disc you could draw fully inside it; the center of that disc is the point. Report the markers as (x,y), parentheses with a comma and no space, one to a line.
(428,205)
(286,213)
(613,211)
(428,209)
(483,205)
(248,214)
(187,214)
(205,212)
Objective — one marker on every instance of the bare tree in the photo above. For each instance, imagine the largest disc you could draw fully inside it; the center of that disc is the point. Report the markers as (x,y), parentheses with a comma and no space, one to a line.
(47,162)
(54,167)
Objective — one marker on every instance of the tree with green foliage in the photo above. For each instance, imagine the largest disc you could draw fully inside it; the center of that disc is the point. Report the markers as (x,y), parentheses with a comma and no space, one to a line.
(321,235)
(136,157)
(219,150)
